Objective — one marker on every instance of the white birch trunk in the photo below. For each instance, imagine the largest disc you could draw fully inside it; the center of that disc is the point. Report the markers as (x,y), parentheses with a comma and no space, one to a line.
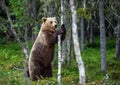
(80,63)
(59,48)
(62,16)
(59,60)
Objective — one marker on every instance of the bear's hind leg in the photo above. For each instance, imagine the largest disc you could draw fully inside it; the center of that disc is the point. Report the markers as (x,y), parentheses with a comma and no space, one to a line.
(35,75)
(48,71)
(36,72)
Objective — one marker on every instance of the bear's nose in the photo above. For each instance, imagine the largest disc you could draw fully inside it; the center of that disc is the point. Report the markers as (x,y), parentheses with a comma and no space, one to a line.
(55,26)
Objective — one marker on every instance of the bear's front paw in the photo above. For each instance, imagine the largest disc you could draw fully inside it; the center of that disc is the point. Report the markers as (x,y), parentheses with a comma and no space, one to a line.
(63,30)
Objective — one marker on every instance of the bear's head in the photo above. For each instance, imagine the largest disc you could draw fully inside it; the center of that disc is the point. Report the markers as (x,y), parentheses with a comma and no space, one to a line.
(49,24)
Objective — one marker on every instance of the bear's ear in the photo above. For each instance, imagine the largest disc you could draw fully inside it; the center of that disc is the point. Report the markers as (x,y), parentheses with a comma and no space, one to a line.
(54,17)
(44,19)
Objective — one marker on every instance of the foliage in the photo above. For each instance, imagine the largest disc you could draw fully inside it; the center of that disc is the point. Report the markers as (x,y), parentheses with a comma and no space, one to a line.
(84,12)
(18,10)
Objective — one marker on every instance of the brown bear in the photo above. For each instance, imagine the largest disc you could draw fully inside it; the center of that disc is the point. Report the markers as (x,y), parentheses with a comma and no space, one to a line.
(42,52)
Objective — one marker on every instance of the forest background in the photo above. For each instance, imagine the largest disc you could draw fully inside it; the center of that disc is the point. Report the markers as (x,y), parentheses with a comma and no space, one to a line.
(98,31)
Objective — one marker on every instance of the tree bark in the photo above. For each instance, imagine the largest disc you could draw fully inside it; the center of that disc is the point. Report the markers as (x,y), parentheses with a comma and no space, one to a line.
(76,45)
(59,60)
(117,53)
(64,50)
(51,9)
(90,32)
(69,45)
(34,16)
(102,37)
(82,33)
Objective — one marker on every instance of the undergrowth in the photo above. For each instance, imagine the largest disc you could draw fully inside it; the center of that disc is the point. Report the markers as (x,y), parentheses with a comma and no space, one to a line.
(12,67)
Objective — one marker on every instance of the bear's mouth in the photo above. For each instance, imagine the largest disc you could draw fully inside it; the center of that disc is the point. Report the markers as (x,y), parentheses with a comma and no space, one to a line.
(55,26)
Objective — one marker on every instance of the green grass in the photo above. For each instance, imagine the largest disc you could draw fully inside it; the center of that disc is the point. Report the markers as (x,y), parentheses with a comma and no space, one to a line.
(12,65)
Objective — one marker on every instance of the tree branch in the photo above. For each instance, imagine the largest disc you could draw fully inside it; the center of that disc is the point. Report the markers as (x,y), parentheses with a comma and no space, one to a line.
(112,11)
(109,22)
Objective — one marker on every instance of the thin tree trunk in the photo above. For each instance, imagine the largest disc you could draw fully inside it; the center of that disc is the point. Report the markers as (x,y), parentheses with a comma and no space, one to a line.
(76,45)
(82,28)
(69,37)
(51,9)
(59,60)
(64,43)
(82,33)
(26,40)
(102,37)
(32,13)
(91,33)
(34,16)
(69,43)
(117,53)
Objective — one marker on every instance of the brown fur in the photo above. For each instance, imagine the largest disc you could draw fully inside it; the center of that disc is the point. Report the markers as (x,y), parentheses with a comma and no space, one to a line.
(42,52)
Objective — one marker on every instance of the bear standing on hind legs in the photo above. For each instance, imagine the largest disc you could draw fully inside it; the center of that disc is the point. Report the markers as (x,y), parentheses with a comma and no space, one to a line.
(42,52)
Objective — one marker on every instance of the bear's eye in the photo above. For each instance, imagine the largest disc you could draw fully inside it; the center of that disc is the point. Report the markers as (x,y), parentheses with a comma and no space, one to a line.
(51,22)
(55,21)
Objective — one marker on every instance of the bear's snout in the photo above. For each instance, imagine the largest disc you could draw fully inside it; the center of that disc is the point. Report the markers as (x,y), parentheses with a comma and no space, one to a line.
(56,26)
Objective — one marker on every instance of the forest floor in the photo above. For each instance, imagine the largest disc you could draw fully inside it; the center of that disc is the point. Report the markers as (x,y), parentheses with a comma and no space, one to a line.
(12,64)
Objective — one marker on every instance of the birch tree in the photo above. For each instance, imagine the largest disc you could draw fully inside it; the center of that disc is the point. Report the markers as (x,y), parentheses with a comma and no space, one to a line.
(102,37)
(60,58)
(76,44)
